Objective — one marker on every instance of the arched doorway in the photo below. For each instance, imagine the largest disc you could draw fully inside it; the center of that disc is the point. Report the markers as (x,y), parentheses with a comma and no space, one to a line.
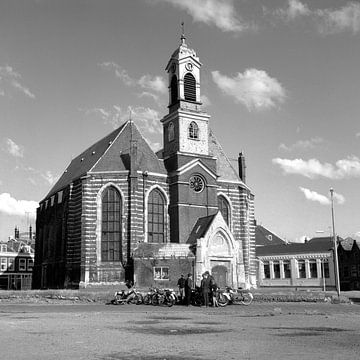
(220,274)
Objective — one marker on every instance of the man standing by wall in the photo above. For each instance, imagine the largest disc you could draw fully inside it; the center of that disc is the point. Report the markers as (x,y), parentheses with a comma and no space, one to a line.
(181,286)
(188,287)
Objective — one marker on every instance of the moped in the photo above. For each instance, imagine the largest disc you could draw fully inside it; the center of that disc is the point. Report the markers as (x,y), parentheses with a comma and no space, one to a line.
(238,296)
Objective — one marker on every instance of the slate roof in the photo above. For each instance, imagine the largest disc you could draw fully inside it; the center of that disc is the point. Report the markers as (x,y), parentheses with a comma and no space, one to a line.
(314,245)
(200,228)
(265,237)
(116,146)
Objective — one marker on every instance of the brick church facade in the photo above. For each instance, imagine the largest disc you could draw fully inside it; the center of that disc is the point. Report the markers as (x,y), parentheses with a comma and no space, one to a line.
(121,211)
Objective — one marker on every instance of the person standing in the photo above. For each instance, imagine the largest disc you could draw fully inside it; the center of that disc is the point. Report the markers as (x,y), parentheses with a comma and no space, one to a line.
(181,286)
(205,288)
(188,287)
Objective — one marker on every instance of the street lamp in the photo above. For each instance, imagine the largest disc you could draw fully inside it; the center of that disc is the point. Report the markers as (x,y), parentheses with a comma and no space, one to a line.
(336,261)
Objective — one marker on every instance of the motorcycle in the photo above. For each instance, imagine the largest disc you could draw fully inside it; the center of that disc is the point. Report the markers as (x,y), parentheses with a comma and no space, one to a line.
(147,300)
(238,296)
(196,296)
(164,297)
(132,296)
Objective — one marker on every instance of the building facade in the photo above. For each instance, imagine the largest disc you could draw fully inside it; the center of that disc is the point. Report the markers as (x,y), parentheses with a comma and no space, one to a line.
(349,264)
(121,211)
(297,265)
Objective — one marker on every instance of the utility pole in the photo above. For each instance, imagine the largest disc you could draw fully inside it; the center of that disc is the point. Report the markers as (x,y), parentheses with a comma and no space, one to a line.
(336,261)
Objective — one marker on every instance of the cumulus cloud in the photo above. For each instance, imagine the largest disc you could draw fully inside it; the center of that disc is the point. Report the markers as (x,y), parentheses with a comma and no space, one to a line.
(13,149)
(254,88)
(149,83)
(11,206)
(147,119)
(221,13)
(313,168)
(11,80)
(322,199)
(327,21)
(49,177)
(302,144)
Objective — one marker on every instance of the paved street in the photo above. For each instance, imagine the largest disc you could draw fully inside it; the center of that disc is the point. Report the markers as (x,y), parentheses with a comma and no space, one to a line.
(261,331)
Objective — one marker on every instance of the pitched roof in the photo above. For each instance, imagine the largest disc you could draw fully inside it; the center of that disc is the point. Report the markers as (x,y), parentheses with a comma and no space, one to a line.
(200,228)
(312,246)
(111,153)
(225,170)
(265,237)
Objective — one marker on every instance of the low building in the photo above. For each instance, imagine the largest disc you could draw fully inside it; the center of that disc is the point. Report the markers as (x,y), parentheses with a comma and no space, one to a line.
(306,265)
(16,262)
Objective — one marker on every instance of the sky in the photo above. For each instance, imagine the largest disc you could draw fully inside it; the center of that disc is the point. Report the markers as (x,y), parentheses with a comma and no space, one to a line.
(280,80)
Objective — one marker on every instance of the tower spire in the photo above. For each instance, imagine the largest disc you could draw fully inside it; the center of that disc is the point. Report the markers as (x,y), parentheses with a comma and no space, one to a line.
(183,38)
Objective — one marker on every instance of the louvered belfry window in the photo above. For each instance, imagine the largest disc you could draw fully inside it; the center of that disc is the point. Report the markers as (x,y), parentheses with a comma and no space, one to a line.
(174,90)
(111,225)
(189,87)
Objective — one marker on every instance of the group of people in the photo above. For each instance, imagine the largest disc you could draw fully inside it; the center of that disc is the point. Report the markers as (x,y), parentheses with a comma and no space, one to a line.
(208,288)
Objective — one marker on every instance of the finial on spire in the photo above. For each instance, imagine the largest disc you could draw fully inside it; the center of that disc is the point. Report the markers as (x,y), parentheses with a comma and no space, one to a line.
(183,38)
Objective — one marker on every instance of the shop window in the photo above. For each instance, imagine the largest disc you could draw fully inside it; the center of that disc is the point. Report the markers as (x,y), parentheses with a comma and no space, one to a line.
(313,268)
(276,265)
(266,270)
(161,273)
(287,269)
(301,269)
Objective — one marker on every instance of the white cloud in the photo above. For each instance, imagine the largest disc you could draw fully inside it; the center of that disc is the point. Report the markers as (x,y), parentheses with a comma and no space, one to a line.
(49,177)
(10,79)
(313,168)
(11,206)
(13,149)
(327,21)
(302,144)
(149,83)
(147,119)
(221,13)
(322,199)
(254,88)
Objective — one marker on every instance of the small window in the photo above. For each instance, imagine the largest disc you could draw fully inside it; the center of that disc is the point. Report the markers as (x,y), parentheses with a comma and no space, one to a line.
(276,270)
(171,132)
(161,273)
(3,248)
(22,264)
(3,264)
(60,196)
(287,269)
(30,264)
(11,264)
(193,131)
(52,199)
(353,271)
(266,270)
(301,269)
(313,268)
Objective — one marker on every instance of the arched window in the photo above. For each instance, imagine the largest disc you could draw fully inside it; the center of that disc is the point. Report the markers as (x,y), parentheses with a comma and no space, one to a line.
(193,130)
(223,206)
(171,132)
(111,225)
(189,87)
(174,90)
(156,217)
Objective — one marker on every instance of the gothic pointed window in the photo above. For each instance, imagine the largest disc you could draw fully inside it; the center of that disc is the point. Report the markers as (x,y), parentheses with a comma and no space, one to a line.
(193,130)
(111,235)
(189,87)
(223,206)
(156,217)
(174,89)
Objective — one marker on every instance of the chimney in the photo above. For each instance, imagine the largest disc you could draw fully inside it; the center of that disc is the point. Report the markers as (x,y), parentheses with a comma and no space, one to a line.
(242,167)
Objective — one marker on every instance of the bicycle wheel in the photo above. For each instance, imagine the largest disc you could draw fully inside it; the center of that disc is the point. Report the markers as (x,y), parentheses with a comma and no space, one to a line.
(247,299)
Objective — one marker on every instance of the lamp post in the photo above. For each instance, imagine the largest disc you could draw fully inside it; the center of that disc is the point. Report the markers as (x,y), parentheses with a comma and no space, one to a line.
(336,261)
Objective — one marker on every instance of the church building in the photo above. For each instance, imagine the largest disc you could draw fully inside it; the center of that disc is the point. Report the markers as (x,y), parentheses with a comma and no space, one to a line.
(122,212)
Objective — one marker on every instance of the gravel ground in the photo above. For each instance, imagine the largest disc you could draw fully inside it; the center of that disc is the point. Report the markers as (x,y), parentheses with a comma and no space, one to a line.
(93,331)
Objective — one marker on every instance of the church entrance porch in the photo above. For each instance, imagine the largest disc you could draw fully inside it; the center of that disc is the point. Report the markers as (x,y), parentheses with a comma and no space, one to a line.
(220,270)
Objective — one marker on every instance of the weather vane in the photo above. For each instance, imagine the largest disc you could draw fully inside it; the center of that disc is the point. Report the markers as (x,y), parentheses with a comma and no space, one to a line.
(183,33)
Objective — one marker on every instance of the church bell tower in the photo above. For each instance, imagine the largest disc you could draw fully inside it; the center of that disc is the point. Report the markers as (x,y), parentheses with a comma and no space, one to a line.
(191,169)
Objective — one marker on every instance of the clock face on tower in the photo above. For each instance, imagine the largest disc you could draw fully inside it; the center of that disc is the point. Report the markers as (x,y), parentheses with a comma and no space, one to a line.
(196,183)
